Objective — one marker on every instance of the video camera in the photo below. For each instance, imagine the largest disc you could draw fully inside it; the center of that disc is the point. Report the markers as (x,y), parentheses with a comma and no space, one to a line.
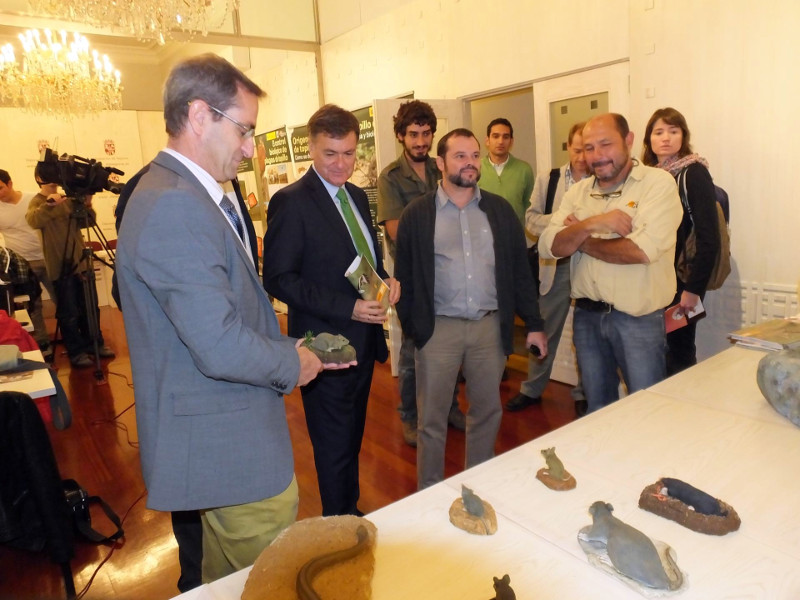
(77,175)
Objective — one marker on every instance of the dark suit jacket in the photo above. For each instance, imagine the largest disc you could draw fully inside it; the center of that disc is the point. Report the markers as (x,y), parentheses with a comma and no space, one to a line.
(209,362)
(307,249)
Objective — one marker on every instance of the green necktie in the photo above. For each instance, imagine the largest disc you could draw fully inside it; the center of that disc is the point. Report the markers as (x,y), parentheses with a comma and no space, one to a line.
(362,247)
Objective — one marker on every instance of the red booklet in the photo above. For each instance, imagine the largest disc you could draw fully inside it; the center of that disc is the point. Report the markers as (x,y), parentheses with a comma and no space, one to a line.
(674,317)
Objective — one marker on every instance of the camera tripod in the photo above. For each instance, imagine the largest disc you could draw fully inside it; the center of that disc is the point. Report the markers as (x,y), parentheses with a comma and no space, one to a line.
(85,324)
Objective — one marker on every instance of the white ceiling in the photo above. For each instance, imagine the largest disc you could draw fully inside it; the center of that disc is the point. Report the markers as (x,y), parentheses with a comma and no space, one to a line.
(266,24)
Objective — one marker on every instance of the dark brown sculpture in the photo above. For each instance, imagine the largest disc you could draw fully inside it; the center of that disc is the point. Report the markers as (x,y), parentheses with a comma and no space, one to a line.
(690,507)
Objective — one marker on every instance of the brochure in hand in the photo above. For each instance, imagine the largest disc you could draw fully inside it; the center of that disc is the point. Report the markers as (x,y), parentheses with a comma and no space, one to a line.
(367,282)
(674,317)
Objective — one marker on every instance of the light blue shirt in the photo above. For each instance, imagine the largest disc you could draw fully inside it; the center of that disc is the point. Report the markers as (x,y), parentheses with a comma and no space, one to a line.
(332,189)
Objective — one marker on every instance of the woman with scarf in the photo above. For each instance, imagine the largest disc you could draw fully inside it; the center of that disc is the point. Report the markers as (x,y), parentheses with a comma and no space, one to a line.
(666,145)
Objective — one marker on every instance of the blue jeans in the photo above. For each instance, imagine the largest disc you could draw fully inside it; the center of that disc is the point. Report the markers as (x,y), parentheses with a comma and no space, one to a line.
(605,342)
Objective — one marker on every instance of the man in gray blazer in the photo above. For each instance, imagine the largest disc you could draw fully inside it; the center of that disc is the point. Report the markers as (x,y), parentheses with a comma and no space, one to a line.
(209,363)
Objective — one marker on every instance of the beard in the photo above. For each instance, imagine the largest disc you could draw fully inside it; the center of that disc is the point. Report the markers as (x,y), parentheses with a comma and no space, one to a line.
(417,155)
(609,175)
(458,180)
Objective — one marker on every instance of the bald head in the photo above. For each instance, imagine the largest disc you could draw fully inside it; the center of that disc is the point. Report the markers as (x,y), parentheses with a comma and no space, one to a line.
(607,143)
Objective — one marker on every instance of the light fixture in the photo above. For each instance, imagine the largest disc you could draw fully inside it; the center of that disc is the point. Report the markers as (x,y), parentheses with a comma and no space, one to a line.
(144,19)
(58,77)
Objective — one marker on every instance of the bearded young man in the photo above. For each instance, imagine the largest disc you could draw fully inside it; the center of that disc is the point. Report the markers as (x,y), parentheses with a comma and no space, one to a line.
(463,266)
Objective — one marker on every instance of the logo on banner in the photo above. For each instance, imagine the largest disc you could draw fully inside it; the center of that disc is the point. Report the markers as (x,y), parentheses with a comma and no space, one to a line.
(109,147)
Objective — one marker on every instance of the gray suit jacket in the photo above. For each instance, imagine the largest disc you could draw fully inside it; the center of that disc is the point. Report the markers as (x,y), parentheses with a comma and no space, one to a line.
(210,365)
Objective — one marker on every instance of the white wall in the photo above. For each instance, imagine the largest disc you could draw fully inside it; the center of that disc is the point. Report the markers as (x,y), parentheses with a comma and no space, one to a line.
(453,48)
(728,65)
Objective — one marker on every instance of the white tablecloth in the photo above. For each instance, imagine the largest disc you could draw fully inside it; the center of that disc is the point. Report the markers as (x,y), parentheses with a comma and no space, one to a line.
(709,426)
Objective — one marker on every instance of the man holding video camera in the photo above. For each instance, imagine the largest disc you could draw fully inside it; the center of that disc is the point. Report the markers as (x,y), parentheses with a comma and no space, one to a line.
(55,215)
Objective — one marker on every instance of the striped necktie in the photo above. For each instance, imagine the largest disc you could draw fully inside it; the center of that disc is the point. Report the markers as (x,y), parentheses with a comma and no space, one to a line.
(227,207)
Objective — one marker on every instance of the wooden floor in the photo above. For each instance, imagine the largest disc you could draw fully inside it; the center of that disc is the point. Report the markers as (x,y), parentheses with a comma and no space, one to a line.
(99,451)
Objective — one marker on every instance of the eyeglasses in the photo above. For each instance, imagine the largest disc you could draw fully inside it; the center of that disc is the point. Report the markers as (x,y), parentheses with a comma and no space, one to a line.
(608,195)
(247,132)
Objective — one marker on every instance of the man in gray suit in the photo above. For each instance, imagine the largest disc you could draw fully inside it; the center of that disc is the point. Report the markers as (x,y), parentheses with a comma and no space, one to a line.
(209,363)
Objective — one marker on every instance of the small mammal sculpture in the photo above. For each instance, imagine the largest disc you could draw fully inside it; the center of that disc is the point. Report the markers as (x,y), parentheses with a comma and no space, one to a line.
(330,348)
(631,552)
(502,589)
(554,465)
(698,499)
(472,503)
(305,577)
(328,341)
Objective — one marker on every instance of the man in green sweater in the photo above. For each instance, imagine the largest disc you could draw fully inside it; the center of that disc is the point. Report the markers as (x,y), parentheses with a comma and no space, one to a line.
(501,173)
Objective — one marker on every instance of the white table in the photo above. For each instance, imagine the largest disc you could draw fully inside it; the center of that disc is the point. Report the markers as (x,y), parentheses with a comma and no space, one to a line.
(39,385)
(709,426)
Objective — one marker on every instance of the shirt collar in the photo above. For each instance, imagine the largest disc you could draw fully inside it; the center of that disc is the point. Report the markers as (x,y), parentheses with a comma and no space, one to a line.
(442,198)
(502,164)
(212,186)
(332,189)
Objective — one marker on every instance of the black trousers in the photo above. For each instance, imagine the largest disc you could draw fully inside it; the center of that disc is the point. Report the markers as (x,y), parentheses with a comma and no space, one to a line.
(188,531)
(73,316)
(681,347)
(336,410)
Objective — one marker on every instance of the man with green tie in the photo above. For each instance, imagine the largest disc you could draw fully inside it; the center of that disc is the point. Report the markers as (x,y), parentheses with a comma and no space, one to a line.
(315,228)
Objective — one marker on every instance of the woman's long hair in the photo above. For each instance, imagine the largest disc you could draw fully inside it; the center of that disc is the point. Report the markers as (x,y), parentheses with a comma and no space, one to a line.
(670,116)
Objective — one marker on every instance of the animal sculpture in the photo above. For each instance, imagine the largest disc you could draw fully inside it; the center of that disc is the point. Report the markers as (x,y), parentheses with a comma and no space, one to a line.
(631,552)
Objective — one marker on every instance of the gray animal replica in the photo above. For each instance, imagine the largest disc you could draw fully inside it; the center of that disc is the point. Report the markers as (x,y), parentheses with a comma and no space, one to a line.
(630,551)
(502,589)
(472,502)
(778,379)
(555,476)
(472,514)
(329,348)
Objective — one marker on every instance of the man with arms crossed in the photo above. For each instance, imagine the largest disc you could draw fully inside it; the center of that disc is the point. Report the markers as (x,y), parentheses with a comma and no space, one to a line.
(209,363)
(413,174)
(619,228)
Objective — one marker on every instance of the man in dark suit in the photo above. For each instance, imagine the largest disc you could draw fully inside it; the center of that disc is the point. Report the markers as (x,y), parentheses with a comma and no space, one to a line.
(209,363)
(307,249)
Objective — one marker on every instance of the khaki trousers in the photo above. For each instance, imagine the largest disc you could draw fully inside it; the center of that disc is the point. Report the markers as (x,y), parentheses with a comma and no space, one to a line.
(234,536)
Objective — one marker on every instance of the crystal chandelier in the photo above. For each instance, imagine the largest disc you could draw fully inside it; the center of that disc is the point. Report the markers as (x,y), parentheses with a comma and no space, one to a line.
(58,78)
(144,19)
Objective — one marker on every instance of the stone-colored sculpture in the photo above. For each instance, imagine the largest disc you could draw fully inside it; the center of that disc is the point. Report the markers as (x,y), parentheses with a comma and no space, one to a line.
(555,476)
(779,380)
(327,558)
(472,514)
(688,506)
(633,556)
(330,348)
